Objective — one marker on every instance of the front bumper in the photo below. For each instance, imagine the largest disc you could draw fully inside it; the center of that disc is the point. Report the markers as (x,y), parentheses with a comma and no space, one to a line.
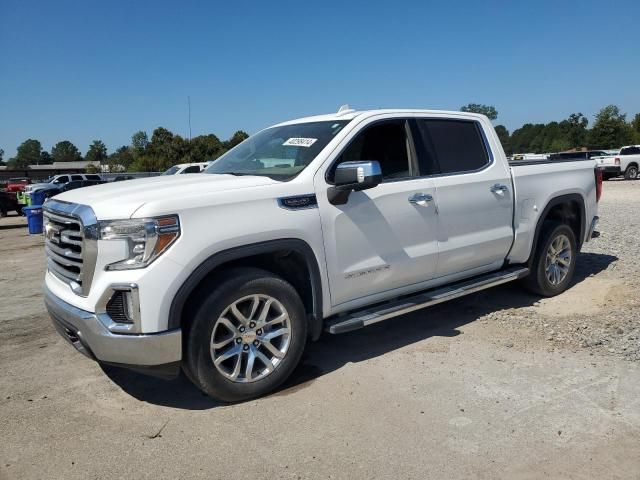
(90,337)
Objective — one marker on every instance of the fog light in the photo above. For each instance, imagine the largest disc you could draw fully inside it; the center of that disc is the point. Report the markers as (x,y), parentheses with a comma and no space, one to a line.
(122,307)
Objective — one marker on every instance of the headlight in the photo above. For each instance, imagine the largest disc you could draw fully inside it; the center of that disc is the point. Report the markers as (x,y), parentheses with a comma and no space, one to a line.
(147,239)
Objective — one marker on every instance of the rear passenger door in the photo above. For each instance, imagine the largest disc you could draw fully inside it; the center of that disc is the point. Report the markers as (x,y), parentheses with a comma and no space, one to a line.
(474,194)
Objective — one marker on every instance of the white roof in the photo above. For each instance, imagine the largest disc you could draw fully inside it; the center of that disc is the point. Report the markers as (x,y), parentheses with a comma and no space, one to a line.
(351,114)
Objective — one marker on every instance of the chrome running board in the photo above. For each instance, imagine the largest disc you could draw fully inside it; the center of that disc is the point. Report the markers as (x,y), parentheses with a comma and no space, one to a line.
(385,311)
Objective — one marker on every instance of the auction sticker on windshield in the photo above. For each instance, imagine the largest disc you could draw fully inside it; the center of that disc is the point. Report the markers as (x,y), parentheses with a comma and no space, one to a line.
(300,142)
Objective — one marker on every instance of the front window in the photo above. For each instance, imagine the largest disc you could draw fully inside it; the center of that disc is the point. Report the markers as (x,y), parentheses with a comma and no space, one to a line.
(280,153)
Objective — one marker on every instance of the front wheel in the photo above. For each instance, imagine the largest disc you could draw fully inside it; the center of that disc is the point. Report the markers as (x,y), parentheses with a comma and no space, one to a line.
(554,262)
(247,336)
(631,173)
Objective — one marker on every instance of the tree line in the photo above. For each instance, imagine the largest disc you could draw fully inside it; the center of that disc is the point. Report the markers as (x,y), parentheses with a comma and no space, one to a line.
(610,129)
(163,150)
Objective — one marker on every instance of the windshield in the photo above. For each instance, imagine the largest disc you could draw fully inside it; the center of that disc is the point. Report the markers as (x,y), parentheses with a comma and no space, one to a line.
(280,153)
(172,170)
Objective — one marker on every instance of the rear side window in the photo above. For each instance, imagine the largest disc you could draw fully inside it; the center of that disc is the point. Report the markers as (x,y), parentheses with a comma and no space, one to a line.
(93,177)
(192,169)
(456,146)
(76,177)
(630,151)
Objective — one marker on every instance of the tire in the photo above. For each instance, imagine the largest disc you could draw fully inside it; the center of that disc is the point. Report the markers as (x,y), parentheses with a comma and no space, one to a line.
(631,173)
(539,280)
(284,330)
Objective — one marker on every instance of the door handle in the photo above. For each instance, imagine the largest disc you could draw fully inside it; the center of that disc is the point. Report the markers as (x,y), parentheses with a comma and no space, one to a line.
(420,199)
(499,188)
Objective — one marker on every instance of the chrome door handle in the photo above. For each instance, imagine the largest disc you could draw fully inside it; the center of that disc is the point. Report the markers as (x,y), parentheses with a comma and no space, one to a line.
(420,198)
(499,188)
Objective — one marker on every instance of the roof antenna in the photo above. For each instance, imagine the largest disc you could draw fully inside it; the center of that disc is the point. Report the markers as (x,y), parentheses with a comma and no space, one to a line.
(344,109)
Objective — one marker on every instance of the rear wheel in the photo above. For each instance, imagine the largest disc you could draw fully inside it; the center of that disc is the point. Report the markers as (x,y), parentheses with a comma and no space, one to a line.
(554,262)
(631,173)
(247,336)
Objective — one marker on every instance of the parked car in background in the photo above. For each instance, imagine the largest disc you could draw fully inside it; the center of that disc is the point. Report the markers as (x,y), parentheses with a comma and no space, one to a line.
(186,168)
(121,178)
(59,180)
(9,203)
(332,223)
(625,162)
(73,184)
(529,156)
(581,155)
(18,184)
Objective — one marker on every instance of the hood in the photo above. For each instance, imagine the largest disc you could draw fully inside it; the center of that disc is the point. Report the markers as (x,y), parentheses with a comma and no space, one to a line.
(121,199)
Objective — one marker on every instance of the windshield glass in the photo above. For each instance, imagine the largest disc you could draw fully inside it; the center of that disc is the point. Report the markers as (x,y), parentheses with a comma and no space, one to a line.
(172,170)
(280,153)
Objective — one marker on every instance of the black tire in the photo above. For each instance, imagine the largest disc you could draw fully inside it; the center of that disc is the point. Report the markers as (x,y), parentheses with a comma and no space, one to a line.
(631,173)
(236,284)
(537,281)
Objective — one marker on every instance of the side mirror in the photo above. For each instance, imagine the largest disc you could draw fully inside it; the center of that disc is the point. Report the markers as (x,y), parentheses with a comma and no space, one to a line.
(354,176)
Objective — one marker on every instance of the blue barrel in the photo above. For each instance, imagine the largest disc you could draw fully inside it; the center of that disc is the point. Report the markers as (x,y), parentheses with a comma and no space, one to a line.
(34,218)
(38,198)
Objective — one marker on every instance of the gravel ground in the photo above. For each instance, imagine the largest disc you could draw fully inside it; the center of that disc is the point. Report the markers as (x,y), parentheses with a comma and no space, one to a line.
(499,384)
(600,312)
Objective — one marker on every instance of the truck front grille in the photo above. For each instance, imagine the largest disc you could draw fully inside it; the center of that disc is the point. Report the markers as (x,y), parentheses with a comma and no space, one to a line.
(70,243)
(63,246)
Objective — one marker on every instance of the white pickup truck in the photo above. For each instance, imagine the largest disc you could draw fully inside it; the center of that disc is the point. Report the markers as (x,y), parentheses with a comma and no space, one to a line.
(625,163)
(327,223)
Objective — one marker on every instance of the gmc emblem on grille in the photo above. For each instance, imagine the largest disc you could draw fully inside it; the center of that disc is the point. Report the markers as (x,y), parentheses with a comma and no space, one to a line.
(51,233)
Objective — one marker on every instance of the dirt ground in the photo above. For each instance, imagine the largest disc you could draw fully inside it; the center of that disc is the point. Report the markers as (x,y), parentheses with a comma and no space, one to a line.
(501,384)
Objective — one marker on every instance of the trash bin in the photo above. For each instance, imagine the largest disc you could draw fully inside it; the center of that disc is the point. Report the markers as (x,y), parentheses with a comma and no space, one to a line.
(34,218)
(38,198)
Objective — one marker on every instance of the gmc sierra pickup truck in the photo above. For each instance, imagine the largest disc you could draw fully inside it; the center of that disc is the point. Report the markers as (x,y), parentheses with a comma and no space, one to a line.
(327,223)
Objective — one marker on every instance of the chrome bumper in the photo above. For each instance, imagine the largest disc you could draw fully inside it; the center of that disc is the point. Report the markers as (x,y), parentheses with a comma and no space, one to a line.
(90,337)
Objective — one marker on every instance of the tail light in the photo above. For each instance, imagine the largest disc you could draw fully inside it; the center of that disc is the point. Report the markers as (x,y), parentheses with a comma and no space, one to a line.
(617,160)
(598,174)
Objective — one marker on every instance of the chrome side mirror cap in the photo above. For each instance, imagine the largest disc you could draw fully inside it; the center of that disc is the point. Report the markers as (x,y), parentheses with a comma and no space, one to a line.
(354,176)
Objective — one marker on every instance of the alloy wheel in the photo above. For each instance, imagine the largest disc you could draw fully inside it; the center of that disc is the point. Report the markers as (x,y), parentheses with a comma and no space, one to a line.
(558,260)
(250,338)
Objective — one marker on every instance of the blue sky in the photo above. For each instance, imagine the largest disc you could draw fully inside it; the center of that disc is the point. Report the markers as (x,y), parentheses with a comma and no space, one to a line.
(82,70)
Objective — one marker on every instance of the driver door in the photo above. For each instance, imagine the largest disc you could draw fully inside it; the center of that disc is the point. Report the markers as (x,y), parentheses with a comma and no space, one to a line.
(382,241)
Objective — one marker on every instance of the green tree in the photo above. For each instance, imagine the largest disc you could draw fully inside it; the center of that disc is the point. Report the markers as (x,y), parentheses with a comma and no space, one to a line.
(45,158)
(238,137)
(574,130)
(635,126)
(139,142)
(505,140)
(610,130)
(121,159)
(97,152)
(205,147)
(488,110)
(28,154)
(65,151)
(161,150)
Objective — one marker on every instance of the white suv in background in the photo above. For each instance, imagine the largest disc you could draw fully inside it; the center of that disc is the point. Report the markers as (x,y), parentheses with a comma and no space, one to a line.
(625,162)
(186,168)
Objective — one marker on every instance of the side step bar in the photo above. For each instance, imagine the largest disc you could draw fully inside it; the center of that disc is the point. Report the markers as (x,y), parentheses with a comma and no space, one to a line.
(385,311)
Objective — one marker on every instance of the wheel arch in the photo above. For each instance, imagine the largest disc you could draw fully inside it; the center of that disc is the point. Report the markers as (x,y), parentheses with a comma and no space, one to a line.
(291,258)
(570,209)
